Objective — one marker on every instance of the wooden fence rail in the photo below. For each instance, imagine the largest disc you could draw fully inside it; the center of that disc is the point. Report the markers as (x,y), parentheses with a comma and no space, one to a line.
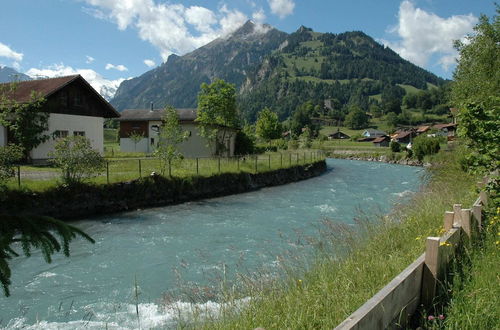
(394,305)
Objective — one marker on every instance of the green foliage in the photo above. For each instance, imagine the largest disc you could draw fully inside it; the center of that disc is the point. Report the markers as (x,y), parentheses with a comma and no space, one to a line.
(27,122)
(136,137)
(9,155)
(305,139)
(268,127)
(301,119)
(392,119)
(356,118)
(476,93)
(217,111)
(395,146)
(245,141)
(423,146)
(76,159)
(32,232)
(171,135)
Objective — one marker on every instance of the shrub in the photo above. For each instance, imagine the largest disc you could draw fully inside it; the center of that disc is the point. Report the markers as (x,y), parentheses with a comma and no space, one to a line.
(9,155)
(423,145)
(395,146)
(293,144)
(76,159)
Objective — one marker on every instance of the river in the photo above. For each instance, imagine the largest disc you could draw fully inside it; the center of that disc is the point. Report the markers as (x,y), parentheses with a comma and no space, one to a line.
(159,250)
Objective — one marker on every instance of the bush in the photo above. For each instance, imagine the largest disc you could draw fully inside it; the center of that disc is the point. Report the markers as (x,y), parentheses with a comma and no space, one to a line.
(423,146)
(293,144)
(76,159)
(9,155)
(245,141)
(395,146)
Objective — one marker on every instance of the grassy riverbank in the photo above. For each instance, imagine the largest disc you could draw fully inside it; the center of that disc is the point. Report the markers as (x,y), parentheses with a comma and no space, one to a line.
(333,287)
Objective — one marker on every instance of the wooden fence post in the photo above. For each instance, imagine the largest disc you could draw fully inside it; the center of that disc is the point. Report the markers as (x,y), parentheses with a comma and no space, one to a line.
(281,160)
(431,270)
(170,168)
(256,158)
(197,167)
(477,213)
(107,171)
(448,220)
(290,158)
(466,222)
(238,163)
(140,169)
(269,161)
(19,176)
(218,163)
(457,218)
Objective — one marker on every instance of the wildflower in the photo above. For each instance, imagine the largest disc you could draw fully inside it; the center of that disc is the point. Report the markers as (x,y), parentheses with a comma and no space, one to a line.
(441,317)
(418,238)
(431,318)
(445,244)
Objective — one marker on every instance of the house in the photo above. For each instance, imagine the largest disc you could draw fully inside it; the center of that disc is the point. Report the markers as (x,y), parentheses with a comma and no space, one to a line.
(447,130)
(147,123)
(74,107)
(373,133)
(404,136)
(422,129)
(338,135)
(381,141)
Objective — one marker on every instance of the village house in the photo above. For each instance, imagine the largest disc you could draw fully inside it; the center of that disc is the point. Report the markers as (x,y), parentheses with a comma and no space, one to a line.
(381,141)
(447,130)
(74,107)
(371,134)
(338,135)
(146,125)
(404,136)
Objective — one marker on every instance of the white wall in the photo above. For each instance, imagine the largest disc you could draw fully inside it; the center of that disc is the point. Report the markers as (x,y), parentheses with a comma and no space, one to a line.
(127,145)
(195,145)
(92,126)
(3,136)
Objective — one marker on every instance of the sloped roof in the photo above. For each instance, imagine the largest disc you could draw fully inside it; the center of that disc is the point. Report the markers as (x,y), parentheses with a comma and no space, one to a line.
(150,115)
(403,134)
(22,90)
(380,139)
(441,126)
(422,129)
(372,131)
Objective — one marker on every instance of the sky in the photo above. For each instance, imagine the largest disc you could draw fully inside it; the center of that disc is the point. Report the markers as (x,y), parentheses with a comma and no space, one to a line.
(108,41)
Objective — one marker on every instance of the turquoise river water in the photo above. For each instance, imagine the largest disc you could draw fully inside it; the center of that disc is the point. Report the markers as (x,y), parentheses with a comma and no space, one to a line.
(197,241)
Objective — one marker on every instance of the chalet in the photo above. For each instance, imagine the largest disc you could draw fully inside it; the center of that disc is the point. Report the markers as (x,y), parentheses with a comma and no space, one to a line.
(422,129)
(404,136)
(74,107)
(146,124)
(381,141)
(447,130)
(338,135)
(373,133)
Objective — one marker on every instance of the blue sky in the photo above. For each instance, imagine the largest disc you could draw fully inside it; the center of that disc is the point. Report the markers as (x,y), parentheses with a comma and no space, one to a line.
(110,40)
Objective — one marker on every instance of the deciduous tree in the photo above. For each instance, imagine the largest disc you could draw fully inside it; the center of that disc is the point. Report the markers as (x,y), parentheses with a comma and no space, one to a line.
(268,126)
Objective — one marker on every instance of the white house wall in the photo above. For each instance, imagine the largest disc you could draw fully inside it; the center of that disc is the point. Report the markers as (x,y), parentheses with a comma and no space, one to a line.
(92,126)
(3,136)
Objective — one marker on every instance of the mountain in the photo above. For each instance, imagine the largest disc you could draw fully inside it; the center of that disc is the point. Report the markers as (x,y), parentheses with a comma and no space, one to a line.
(279,70)
(177,82)
(350,67)
(8,75)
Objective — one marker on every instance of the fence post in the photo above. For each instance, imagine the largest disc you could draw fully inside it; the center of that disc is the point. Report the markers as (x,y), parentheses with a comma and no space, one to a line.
(476,211)
(197,167)
(290,158)
(448,220)
(256,157)
(430,271)
(140,169)
(457,218)
(238,163)
(170,168)
(19,176)
(218,163)
(107,171)
(466,225)
(281,160)
(269,161)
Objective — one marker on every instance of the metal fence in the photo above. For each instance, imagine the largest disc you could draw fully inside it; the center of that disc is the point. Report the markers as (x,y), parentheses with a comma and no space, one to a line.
(125,169)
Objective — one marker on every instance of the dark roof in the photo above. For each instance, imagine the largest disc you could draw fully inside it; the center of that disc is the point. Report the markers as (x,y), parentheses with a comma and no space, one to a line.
(46,87)
(150,115)
(403,134)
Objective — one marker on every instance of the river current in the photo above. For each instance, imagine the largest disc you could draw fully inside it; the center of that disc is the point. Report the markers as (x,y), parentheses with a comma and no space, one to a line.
(139,257)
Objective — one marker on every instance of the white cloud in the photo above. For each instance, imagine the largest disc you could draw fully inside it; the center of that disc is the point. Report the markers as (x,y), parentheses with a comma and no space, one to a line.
(118,67)
(6,51)
(149,63)
(171,28)
(105,87)
(259,16)
(424,35)
(282,8)
(90,59)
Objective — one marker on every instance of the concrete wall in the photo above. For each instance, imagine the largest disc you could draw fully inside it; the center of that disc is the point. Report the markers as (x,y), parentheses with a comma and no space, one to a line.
(92,126)
(3,136)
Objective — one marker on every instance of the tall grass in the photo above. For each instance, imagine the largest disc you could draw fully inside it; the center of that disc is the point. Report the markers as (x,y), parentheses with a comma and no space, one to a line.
(351,264)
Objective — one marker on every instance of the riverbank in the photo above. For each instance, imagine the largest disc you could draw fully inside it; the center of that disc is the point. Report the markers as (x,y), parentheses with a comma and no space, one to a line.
(76,202)
(379,249)
(393,158)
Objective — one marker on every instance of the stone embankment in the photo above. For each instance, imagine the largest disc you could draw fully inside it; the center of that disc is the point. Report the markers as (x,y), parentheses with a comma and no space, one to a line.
(383,159)
(77,202)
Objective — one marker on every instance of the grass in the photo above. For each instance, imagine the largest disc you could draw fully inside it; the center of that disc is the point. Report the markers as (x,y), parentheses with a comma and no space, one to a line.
(126,169)
(351,264)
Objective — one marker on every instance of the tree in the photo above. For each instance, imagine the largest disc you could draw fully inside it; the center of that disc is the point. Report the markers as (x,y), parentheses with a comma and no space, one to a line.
(423,145)
(9,155)
(301,119)
(356,118)
(476,93)
(76,159)
(27,122)
(171,134)
(392,119)
(268,126)
(245,140)
(136,137)
(217,112)
(37,232)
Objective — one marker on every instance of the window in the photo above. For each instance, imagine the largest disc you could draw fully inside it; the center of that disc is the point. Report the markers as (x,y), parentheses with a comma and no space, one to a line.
(60,134)
(152,141)
(79,133)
